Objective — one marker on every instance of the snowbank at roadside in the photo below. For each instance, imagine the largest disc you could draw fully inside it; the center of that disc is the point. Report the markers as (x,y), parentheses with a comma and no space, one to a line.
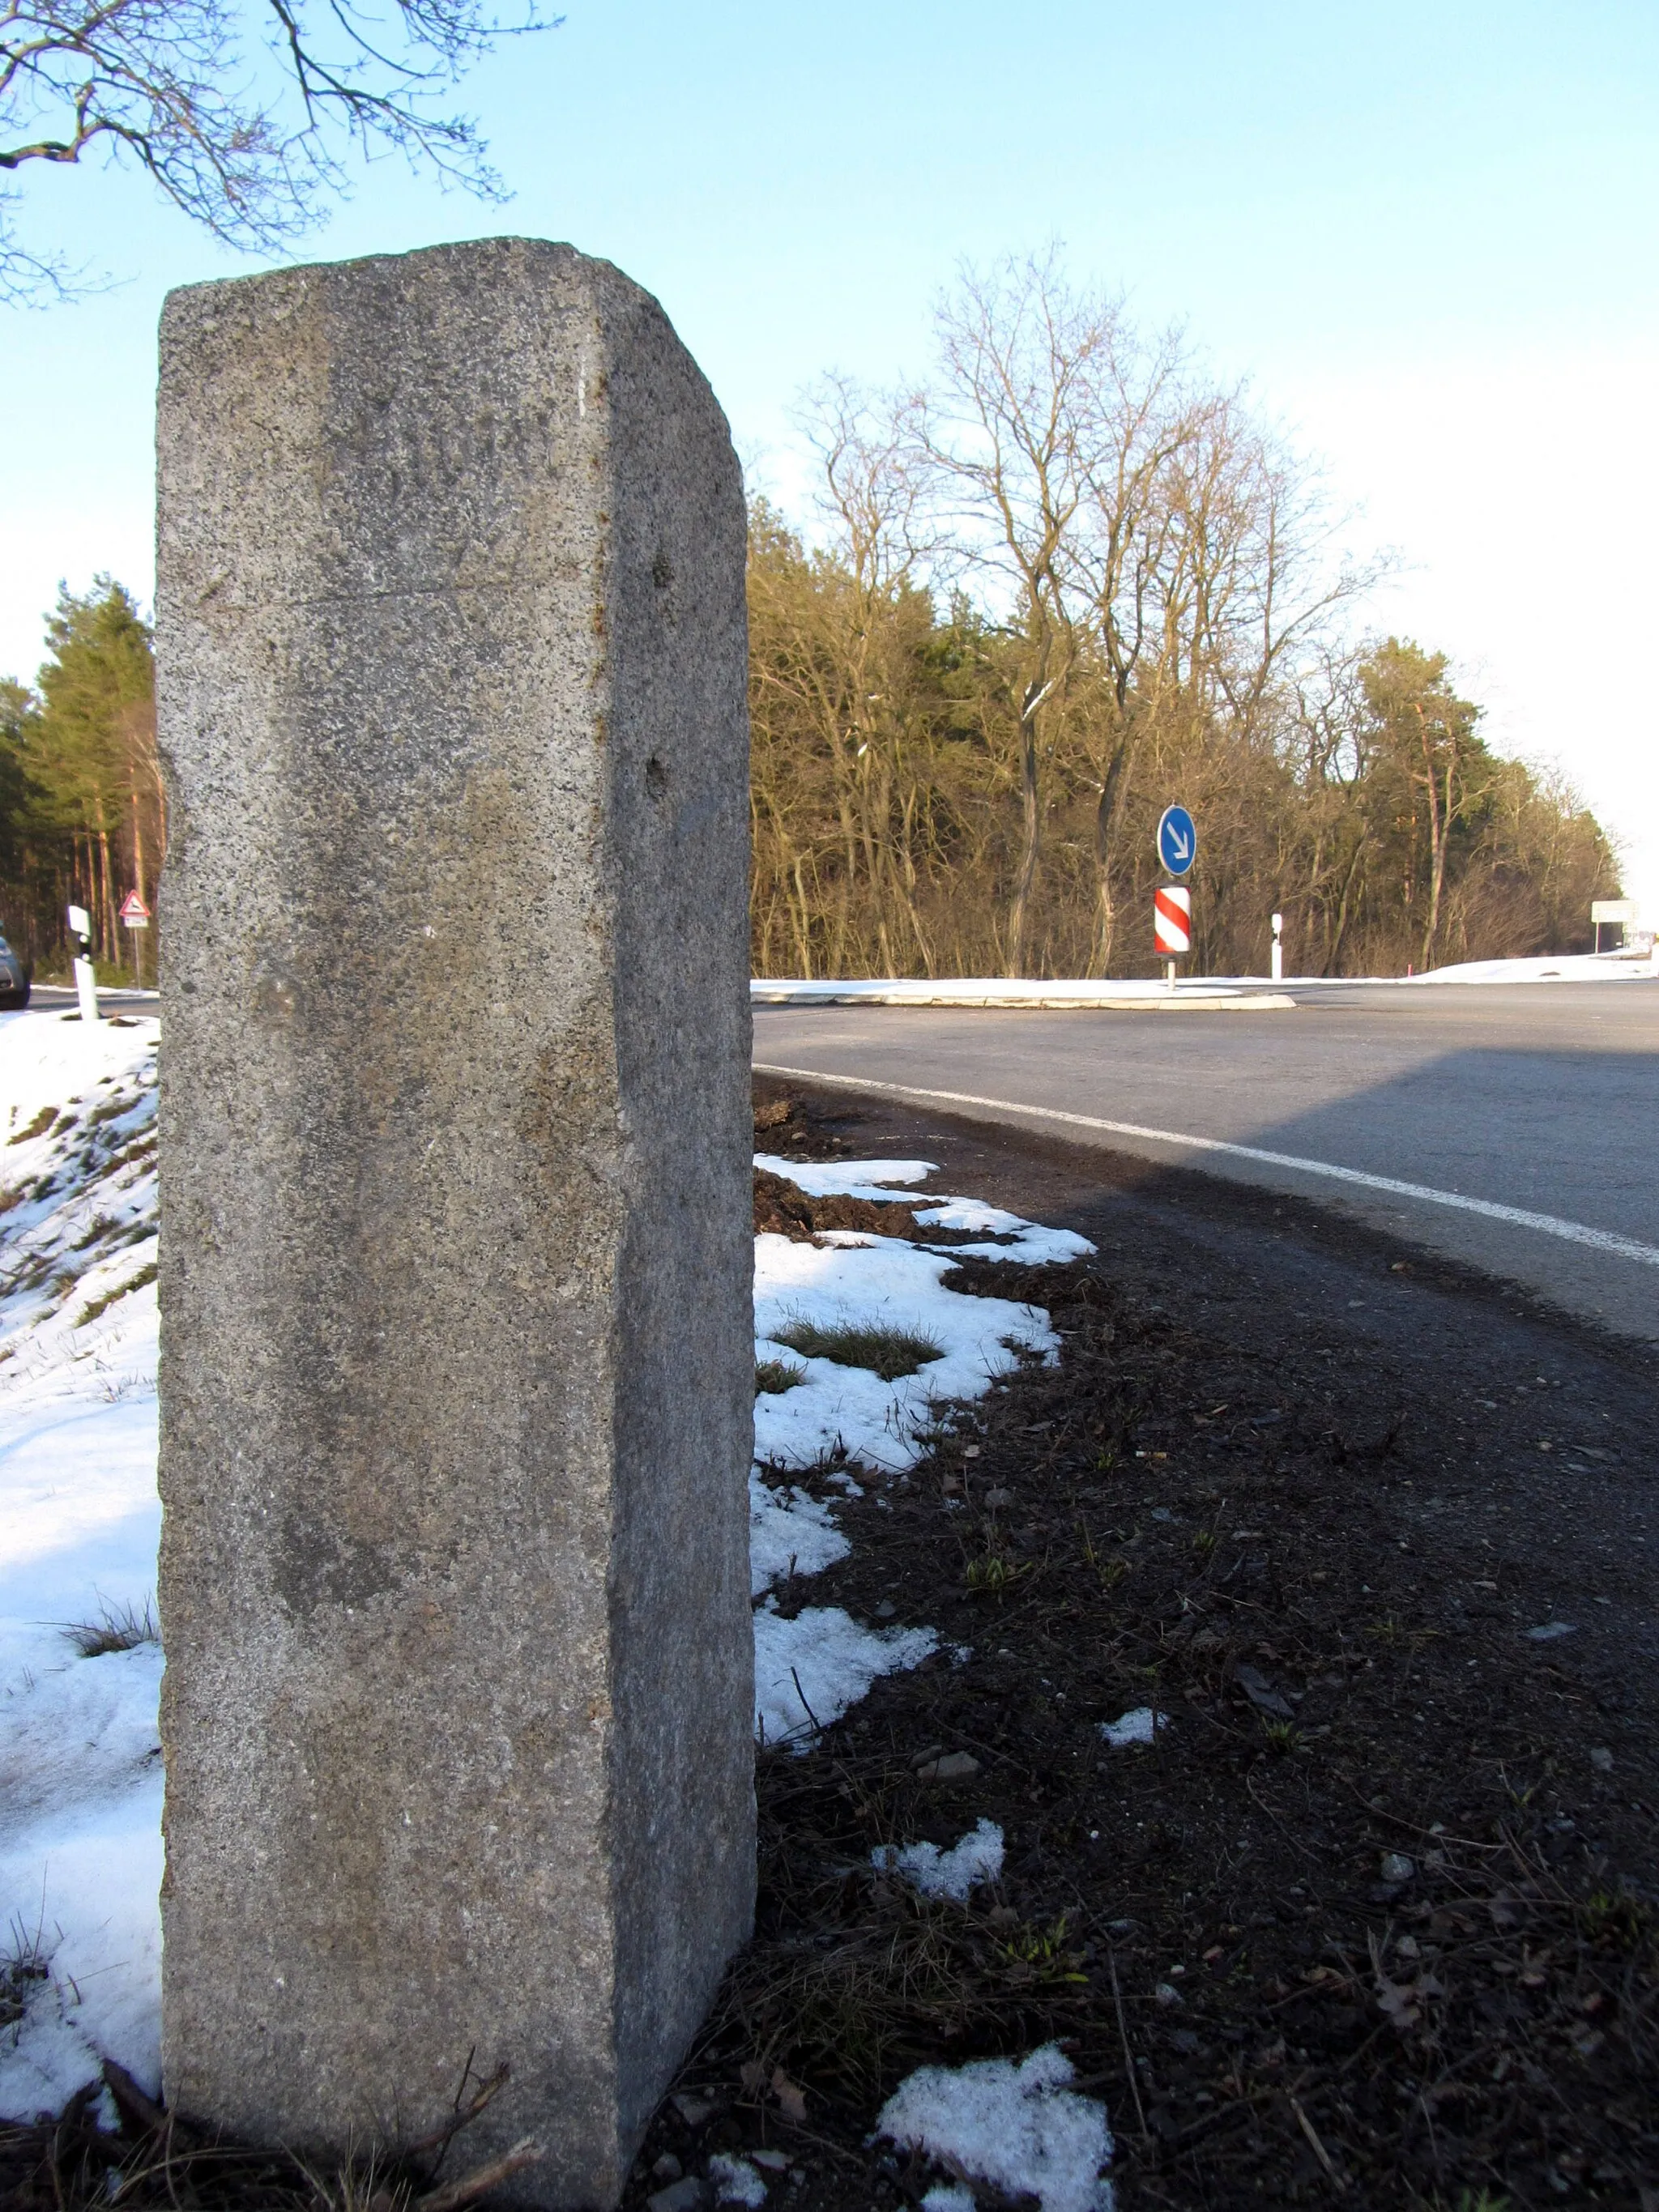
(1549,967)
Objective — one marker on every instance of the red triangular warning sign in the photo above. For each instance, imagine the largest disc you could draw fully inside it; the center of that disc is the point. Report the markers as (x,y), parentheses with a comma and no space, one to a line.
(134,909)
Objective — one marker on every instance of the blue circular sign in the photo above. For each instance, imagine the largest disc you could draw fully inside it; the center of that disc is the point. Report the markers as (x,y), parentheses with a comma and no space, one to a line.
(1177,840)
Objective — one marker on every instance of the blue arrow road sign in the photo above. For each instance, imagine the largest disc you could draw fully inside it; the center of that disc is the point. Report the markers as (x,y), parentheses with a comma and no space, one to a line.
(1177,840)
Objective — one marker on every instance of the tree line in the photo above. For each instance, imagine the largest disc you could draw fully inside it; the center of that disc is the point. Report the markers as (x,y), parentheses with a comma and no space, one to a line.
(1066,581)
(82,810)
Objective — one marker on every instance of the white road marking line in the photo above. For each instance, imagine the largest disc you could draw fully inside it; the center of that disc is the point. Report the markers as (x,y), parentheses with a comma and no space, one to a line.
(1549,1225)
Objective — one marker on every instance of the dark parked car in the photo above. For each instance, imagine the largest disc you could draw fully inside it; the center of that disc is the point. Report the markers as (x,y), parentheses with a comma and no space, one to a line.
(13,977)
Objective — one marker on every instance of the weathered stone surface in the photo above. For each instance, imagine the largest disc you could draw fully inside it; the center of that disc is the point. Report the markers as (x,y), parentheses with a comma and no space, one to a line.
(457,1378)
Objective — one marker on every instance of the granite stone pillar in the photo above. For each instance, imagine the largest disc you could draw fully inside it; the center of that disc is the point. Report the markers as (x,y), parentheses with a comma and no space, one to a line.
(458,1374)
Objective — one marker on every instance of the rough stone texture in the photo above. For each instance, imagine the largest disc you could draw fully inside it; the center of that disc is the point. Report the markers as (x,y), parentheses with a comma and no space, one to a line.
(455,1281)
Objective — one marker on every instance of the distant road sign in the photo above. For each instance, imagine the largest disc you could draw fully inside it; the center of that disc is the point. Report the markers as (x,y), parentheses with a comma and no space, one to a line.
(134,911)
(1614,910)
(1177,840)
(1172,919)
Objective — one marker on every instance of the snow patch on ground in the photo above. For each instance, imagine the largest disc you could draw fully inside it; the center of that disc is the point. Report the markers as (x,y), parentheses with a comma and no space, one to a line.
(880,1281)
(85,1887)
(809,1671)
(1018,2124)
(1017,1239)
(845,1178)
(789,1536)
(934,1873)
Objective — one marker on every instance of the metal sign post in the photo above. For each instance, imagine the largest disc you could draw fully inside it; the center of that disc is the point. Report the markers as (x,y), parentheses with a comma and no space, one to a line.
(135,915)
(1172,905)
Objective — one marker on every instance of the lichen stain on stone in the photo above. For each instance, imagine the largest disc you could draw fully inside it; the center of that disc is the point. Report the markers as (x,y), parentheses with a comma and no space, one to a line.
(275,998)
(316,1568)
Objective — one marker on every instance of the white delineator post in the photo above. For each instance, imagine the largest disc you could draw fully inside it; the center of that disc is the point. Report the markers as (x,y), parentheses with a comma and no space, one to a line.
(457,1409)
(1279,948)
(86,976)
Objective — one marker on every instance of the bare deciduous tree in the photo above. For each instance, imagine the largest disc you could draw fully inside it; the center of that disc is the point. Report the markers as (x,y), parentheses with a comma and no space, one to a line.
(1007,435)
(238,110)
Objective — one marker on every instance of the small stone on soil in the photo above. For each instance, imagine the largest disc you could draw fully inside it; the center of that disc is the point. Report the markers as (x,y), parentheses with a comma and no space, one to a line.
(954,1766)
(687,2196)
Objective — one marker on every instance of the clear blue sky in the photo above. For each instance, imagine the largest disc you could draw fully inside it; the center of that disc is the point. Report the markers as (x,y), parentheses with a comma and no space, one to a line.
(1427,233)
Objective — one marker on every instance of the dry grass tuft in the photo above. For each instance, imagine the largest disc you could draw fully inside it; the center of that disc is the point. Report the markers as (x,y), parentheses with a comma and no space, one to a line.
(775,1376)
(117,1628)
(94,1307)
(888,1352)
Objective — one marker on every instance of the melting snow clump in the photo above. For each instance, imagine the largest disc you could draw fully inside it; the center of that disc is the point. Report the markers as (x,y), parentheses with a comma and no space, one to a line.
(1134,1727)
(1016,2124)
(736,2182)
(977,1858)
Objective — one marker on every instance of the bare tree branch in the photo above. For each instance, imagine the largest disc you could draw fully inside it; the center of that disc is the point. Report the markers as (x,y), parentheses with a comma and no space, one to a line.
(238,110)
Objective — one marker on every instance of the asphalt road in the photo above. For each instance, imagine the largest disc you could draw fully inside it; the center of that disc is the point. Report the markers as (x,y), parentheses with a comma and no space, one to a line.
(49,997)
(1543,1098)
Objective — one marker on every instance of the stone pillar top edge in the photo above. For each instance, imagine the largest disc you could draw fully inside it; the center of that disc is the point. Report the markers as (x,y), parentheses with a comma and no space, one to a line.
(188,311)
(453,249)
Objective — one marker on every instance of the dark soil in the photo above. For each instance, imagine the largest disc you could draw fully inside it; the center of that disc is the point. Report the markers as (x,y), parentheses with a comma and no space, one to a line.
(1304,1490)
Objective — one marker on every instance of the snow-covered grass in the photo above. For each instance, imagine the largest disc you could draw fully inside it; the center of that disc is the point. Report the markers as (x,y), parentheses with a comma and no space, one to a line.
(80,1669)
(849,1279)
(850,1288)
(1119,994)
(80,1759)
